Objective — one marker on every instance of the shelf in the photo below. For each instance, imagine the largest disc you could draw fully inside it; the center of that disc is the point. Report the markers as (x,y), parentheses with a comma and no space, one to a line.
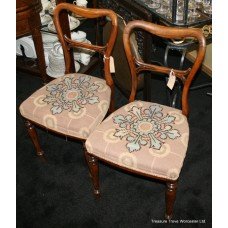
(31,66)
(203,18)
(82,20)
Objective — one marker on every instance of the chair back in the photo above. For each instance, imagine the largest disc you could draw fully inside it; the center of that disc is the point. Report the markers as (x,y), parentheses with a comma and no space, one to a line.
(137,65)
(68,43)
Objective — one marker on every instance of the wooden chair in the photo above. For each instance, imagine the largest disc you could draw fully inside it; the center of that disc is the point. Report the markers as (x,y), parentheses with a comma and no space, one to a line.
(74,104)
(147,138)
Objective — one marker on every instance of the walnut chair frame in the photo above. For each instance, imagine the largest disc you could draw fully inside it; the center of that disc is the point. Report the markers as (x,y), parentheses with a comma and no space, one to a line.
(137,66)
(68,44)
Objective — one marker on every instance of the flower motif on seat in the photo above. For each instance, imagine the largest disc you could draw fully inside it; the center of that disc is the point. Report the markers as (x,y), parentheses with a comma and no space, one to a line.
(71,94)
(145,127)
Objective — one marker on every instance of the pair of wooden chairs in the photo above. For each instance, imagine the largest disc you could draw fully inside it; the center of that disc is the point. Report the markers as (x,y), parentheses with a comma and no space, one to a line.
(141,137)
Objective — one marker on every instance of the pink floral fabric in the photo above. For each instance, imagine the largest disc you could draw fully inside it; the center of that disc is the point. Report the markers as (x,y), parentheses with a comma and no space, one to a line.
(73,104)
(143,136)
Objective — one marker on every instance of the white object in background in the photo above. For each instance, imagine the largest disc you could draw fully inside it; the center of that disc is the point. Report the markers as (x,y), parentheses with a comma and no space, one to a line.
(57,74)
(74,23)
(46,53)
(77,56)
(50,10)
(56,66)
(45,19)
(78,36)
(49,38)
(85,58)
(82,3)
(56,62)
(42,13)
(53,2)
(57,49)
(48,47)
(45,4)
(83,55)
(48,43)
(77,66)
(28,45)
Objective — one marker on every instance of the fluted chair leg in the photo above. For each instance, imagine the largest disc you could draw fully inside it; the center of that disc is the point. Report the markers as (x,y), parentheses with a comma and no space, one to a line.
(34,137)
(170,196)
(94,172)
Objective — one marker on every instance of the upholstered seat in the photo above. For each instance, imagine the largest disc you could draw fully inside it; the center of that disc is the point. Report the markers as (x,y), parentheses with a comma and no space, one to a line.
(72,104)
(146,137)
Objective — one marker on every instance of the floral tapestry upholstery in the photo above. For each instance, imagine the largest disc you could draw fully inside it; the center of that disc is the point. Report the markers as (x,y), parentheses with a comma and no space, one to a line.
(73,104)
(143,136)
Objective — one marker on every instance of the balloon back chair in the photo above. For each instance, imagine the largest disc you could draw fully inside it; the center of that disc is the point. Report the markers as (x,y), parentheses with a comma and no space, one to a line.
(74,104)
(146,138)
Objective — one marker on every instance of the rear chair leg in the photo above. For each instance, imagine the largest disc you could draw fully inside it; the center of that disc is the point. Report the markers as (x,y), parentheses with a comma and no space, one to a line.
(94,171)
(170,196)
(34,137)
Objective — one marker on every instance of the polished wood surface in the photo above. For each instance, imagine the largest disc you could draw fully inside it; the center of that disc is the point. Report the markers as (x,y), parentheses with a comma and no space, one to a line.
(28,22)
(93,170)
(26,16)
(33,135)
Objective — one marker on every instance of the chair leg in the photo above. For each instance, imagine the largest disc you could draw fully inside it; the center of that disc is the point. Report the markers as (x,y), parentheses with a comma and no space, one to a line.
(94,171)
(34,137)
(170,196)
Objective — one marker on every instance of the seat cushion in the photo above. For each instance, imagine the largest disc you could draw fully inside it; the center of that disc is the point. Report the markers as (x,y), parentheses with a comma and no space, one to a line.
(144,137)
(73,104)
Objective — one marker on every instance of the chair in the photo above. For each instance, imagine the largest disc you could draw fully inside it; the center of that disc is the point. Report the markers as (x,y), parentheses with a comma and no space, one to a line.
(146,138)
(74,104)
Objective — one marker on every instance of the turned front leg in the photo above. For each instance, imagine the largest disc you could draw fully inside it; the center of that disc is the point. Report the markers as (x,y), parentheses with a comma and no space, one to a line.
(94,171)
(34,137)
(170,196)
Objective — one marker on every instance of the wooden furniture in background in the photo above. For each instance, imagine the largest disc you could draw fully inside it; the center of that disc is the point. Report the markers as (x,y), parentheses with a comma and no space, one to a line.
(28,22)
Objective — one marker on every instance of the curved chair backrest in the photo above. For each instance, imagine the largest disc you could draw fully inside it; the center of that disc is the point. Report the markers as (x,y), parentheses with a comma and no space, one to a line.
(137,65)
(68,43)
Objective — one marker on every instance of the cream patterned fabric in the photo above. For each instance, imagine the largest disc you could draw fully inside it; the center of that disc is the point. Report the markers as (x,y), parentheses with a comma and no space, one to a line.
(143,136)
(73,104)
